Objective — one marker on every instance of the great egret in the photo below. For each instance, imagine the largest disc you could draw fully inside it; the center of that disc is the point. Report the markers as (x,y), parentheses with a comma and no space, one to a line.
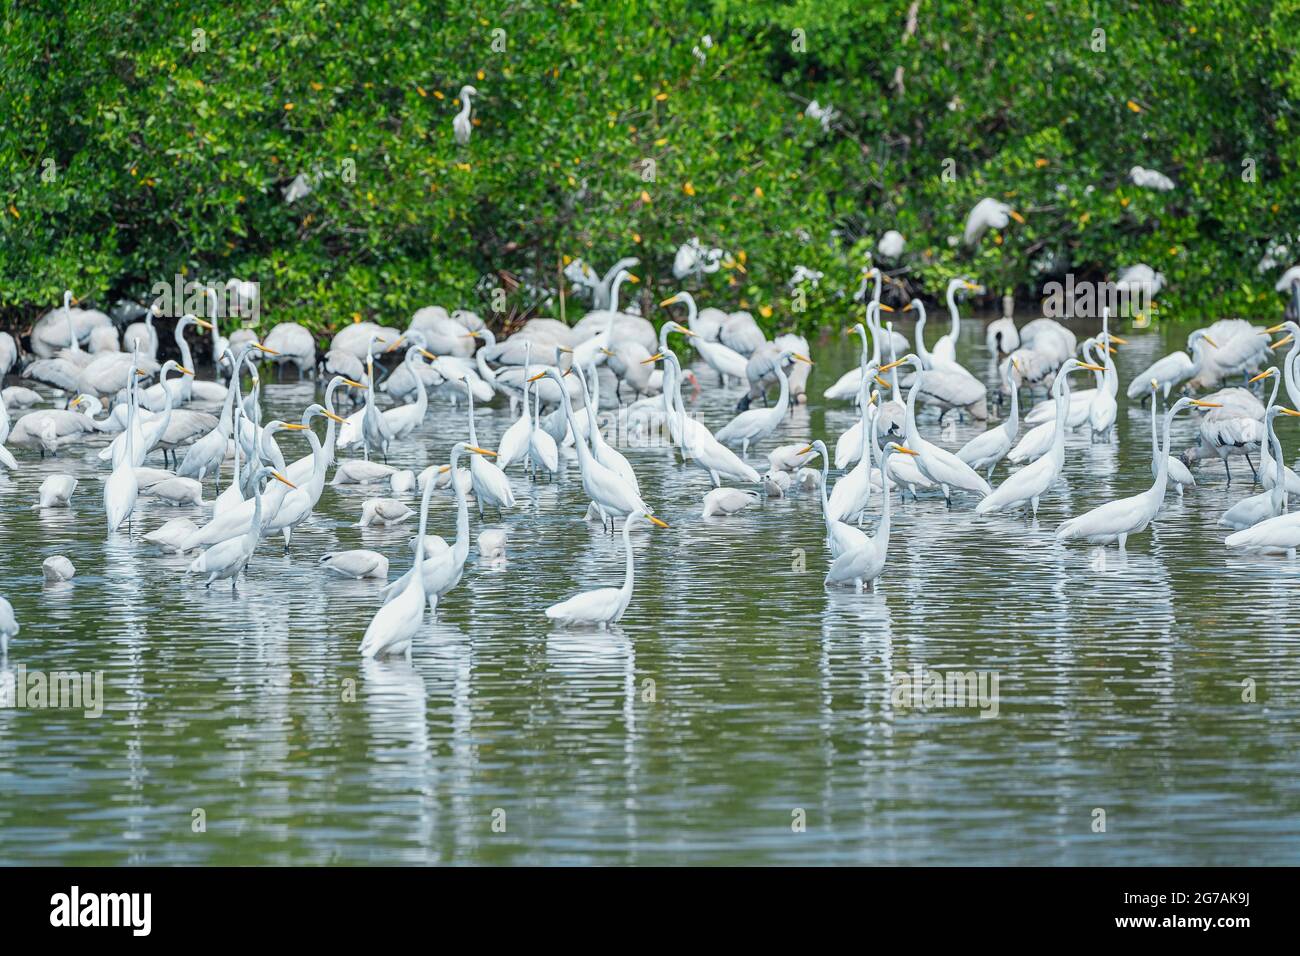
(1029,483)
(756,424)
(227,558)
(1178,472)
(604,606)
(1173,369)
(852,492)
(945,350)
(171,536)
(290,342)
(1250,511)
(357,564)
(298,504)
(394,625)
(726,361)
(376,430)
(724,502)
(491,486)
(8,626)
(608,490)
(492,544)
(1116,520)
(602,450)
(182,388)
(56,491)
(442,569)
(937,464)
(462,124)
(839,536)
(1268,472)
(865,560)
(698,444)
(57,569)
(383,512)
(121,488)
(984,451)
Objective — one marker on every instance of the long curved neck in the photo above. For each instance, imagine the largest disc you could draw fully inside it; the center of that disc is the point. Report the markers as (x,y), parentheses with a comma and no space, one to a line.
(424,514)
(1289,366)
(629,576)
(1162,470)
(882,532)
(319,463)
(953,314)
(1198,355)
(255,527)
(922,352)
(1013,419)
(913,433)
(331,430)
(469,393)
(783,400)
(584,453)
(1155,435)
(422,393)
(1278,499)
(460,550)
(186,357)
(692,311)
(1062,413)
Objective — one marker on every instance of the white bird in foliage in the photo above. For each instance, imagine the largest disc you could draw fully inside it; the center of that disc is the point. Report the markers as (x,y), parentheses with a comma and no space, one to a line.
(988,214)
(462,125)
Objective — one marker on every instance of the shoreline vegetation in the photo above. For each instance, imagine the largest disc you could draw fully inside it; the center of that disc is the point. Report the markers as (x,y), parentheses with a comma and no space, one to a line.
(315,154)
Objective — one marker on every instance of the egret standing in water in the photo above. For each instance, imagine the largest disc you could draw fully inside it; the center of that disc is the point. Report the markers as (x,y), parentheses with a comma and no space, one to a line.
(1116,520)
(865,563)
(1028,484)
(604,606)
(755,424)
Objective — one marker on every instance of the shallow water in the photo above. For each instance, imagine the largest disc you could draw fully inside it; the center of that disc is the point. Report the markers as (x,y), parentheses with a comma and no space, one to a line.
(737,695)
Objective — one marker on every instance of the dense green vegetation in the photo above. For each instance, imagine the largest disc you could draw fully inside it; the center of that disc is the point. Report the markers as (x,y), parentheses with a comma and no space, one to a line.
(142,140)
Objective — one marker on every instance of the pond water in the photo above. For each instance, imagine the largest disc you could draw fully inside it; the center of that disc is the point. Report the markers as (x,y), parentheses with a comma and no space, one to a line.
(741,714)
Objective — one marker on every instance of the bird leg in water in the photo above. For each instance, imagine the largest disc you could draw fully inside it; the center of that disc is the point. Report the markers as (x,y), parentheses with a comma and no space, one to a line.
(1253,470)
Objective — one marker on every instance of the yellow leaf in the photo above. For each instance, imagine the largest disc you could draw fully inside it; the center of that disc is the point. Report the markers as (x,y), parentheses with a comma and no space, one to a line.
(1040,163)
(1173,250)
(356,317)
(1084,218)
(1134,107)
(288,106)
(645,196)
(688,189)
(661,97)
(437,94)
(765,311)
(316,86)
(14,209)
(480,74)
(420,90)
(758,191)
(1124,201)
(661,142)
(636,237)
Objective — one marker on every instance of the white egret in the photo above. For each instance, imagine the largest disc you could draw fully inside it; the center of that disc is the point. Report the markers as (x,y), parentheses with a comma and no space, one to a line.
(8,626)
(298,504)
(604,606)
(1029,483)
(171,535)
(756,424)
(984,451)
(121,488)
(56,491)
(1116,520)
(945,350)
(492,544)
(491,486)
(698,444)
(1268,472)
(383,512)
(608,490)
(1178,472)
(726,361)
(227,558)
(357,564)
(840,537)
(57,569)
(442,567)
(865,560)
(1251,510)
(462,124)
(394,625)
(1173,369)
(937,464)
(724,502)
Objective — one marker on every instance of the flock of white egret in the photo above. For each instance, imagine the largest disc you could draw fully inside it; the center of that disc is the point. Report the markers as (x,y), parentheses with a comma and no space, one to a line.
(548,375)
